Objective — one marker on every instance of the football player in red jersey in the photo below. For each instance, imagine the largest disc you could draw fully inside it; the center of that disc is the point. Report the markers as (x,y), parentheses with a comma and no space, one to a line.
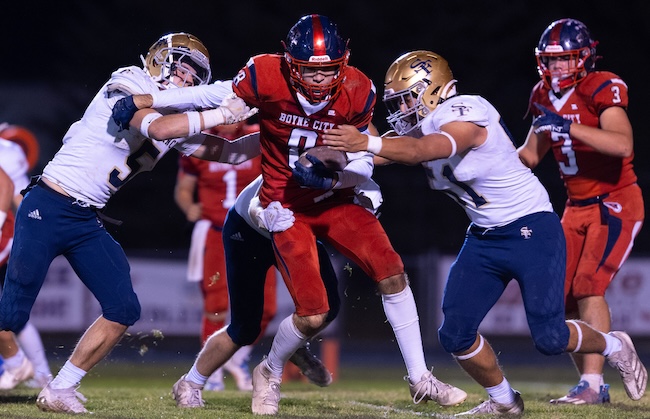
(215,186)
(300,94)
(580,114)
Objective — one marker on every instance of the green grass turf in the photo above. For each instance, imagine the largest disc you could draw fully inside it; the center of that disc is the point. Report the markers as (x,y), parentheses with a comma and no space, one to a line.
(142,390)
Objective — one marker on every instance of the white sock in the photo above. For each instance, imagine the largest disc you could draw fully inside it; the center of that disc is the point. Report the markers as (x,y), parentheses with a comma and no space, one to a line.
(287,339)
(68,376)
(594,380)
(502,393)
(402,315)
(613,344)
(31,342)
(15,361)
(196,377)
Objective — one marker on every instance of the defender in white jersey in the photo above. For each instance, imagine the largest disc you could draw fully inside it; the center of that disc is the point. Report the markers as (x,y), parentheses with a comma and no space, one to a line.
(59,214)
(514,234)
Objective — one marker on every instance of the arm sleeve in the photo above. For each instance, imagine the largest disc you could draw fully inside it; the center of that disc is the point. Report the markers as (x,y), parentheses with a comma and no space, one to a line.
(206,96)
(358,170)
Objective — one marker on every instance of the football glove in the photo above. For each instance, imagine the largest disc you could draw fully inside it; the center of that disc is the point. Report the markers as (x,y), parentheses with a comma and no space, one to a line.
(549,121)
(123,112)
(316,176)
(275,217)
(234,109)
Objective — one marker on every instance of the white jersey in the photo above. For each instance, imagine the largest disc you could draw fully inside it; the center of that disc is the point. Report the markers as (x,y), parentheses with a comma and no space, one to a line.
(489,181)
(14,162)
(96,159)
(243,202)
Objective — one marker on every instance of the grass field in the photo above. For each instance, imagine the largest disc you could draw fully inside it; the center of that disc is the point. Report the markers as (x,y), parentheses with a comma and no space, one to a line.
(142,390)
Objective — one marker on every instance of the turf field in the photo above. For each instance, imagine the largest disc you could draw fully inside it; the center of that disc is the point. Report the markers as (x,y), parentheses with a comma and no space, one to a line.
(136,379)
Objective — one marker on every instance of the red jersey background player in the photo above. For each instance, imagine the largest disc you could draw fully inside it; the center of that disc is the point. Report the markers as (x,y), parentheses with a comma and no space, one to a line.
(205,191)
(300,94)
(581,116)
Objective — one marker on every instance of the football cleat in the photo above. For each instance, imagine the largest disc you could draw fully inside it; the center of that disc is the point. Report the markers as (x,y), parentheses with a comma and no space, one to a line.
(63,400)
(583,394)
(311,366)
(491,407)
(430,388)
(187,394)
(266,391)
(629,366)
(11,378)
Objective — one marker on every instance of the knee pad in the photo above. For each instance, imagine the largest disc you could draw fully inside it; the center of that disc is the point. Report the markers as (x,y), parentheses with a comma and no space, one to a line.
(127,312)
(550,340)
(454,339)
(243,335)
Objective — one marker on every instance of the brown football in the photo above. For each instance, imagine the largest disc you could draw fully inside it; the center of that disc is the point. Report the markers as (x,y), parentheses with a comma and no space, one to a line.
(332,159)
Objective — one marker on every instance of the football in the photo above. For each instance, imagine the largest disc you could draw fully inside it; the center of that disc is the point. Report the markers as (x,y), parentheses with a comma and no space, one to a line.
(332,159)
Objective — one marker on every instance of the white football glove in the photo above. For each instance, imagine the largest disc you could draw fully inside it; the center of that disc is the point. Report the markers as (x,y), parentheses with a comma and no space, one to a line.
(274,217)
(235,109)
(232,110)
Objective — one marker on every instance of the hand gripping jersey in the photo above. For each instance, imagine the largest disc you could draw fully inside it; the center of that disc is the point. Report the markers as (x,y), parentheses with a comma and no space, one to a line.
(286,130)
(489,181)
(96,159)
(586,173)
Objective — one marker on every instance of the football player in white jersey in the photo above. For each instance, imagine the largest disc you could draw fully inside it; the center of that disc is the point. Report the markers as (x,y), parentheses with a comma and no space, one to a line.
(468,153)
(60,214)
(26,358)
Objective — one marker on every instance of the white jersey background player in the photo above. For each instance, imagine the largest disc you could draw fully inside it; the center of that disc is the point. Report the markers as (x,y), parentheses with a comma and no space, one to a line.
(16,366)
(514,233)
(58,216)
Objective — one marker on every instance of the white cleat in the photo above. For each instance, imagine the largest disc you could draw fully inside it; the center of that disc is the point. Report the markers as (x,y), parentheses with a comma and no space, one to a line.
(187,394)
(266,391)
(64,400)
(430,388)
(490,407)
(11,378)
(629,366)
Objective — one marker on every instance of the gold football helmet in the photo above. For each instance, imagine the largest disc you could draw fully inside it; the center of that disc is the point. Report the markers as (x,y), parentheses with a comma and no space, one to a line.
(172,54)
(415,84)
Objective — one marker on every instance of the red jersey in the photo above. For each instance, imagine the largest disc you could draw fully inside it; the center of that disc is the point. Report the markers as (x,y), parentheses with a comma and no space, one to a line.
(587,173)
(286,130)
(218,183)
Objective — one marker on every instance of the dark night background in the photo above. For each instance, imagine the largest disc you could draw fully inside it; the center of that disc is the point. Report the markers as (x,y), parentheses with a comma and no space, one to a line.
(56,55)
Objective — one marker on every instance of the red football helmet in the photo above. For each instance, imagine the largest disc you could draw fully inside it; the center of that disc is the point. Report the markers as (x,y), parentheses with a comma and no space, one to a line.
(25,138)
(567,39)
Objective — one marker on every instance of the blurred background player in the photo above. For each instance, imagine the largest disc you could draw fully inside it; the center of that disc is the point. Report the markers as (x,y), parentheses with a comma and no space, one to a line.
(61,212)
(19,152)
(205,191)
(514,233)
(580,114)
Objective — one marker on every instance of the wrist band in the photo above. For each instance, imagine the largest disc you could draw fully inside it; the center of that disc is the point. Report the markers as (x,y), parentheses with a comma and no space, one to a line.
(212,118)
(454,147)
(194,121)
(374,144)
(3,217)
(146,122)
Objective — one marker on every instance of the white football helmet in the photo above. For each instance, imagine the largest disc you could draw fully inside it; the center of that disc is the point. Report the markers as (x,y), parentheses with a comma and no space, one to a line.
(415,84)
(172,53)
